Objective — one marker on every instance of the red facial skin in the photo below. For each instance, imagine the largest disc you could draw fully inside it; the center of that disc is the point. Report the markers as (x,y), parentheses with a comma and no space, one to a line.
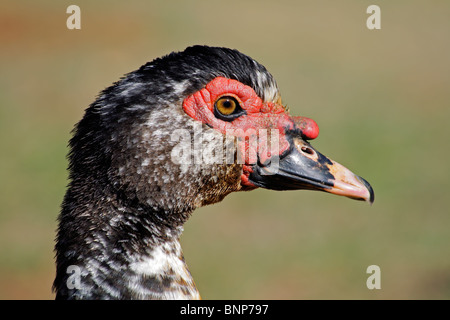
(259,115)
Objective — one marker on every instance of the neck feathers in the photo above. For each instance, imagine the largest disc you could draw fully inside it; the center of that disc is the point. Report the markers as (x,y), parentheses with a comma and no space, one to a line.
(106,250)
(164,274)
(159,274)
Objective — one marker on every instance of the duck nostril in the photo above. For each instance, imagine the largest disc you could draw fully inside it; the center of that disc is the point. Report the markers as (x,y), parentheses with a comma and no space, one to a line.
(307,150)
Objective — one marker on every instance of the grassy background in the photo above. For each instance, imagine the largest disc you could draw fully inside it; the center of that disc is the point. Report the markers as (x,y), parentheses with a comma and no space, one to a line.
(381,99)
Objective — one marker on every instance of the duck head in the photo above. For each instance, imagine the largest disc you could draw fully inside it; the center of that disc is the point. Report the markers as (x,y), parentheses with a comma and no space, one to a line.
(189,128)
(182,131)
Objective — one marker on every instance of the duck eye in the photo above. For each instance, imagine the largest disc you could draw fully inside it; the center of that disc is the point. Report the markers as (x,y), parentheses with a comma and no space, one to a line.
(226,105)
(227,108)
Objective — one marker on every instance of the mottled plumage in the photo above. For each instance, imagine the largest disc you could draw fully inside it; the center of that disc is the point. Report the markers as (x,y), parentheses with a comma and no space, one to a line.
(127,201)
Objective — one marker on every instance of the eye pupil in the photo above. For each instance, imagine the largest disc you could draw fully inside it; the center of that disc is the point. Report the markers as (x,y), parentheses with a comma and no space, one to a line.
(227,104)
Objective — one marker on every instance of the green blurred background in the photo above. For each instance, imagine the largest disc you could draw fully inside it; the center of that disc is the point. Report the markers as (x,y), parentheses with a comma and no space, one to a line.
(381,99)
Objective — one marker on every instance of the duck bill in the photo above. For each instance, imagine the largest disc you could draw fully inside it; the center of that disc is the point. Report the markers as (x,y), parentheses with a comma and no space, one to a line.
(302,167)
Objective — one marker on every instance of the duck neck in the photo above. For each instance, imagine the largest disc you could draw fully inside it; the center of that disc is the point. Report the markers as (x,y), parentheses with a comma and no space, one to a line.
(107,249)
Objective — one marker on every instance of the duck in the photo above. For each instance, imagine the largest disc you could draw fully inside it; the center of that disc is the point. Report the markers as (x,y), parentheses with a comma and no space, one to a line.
(181,132)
